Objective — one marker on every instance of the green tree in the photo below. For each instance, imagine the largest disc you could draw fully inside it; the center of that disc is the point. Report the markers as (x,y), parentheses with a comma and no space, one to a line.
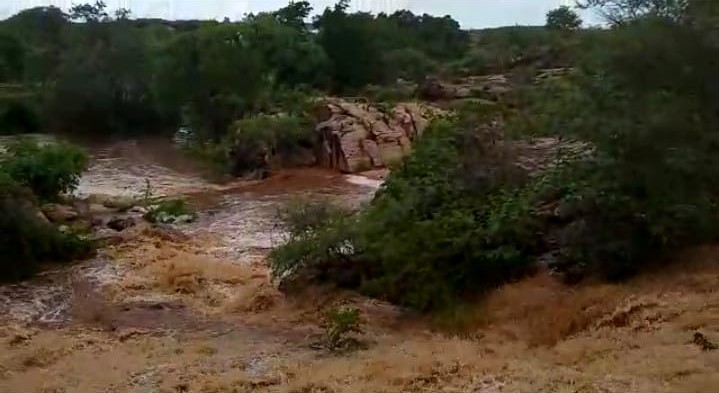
(290,54)
(89,12)
(12,53)
(352,44)
(563,18)
(214,74)
(103,80)
(648,187)
(294,14)
(621,11)
(41,31)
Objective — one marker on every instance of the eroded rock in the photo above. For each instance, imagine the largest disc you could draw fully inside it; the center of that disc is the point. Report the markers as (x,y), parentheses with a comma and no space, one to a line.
(359,136)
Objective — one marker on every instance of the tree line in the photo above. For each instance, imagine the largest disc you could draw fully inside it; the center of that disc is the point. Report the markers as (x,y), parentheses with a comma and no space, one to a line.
(90,70)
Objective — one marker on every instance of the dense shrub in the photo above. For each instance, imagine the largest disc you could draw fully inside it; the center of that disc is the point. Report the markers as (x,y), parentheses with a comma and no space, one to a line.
(257,143)
(441,228)
(300,216)
(471,221)
(409,64)
(261,141)
(457,218)
(27,239)
(48,170)
(319,245)
(650,185)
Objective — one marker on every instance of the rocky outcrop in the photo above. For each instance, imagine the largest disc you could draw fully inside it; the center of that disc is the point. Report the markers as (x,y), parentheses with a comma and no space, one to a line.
(551,73)
(360,136)
(489,87)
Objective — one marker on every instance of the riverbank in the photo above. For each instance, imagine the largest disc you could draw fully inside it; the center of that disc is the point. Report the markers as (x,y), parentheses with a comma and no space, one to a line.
(192,308)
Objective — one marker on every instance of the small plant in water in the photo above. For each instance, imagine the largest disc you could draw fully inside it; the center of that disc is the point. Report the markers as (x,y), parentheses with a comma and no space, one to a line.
(170,211)
(342,321)
(147,195)
(164,210)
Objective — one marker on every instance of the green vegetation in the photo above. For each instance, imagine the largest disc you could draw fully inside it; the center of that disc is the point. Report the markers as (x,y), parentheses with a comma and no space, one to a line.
(101,71)
(647,188)
(341,321)
(563,18)
(47,170)
(442,225)
(319,246)
(28,239)
(458,217)
(256,142)
(169,210)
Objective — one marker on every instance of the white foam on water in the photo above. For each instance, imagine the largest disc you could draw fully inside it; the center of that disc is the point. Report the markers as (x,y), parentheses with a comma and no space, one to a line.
(364,181)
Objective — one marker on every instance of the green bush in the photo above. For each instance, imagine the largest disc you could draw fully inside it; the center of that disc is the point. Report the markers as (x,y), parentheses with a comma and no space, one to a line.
(341,321)
(441,228)
(48,170)
(169,210)
(445,225)
(649,186)
(28,239)
(319,246)
(300,216)
(257,142)
(399,92)
(409,64)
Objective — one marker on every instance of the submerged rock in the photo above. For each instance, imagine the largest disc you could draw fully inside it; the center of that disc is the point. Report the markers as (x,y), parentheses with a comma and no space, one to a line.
(120,223)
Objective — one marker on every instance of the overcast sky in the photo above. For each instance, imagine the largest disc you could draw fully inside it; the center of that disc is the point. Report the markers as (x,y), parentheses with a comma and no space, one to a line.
(469,13)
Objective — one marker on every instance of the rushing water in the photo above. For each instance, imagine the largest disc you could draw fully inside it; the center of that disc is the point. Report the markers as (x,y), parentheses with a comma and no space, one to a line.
(241,215)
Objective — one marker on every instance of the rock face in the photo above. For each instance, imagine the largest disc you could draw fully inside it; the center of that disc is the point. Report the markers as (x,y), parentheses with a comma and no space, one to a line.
(58,213)
(361,136)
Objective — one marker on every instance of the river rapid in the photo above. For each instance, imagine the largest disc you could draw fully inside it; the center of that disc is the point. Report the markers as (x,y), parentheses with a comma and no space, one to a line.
(239,216)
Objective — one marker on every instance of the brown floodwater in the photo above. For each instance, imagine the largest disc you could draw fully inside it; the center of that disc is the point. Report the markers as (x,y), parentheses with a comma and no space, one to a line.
(239,215)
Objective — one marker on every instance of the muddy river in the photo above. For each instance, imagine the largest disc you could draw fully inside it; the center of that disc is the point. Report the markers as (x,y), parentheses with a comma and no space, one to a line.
(193,308)
(240,216)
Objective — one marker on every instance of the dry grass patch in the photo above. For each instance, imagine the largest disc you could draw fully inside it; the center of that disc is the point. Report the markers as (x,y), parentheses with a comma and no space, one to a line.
(432,364)
(542,311)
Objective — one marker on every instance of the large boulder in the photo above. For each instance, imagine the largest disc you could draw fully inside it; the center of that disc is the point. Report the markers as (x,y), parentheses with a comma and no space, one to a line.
(358,136)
